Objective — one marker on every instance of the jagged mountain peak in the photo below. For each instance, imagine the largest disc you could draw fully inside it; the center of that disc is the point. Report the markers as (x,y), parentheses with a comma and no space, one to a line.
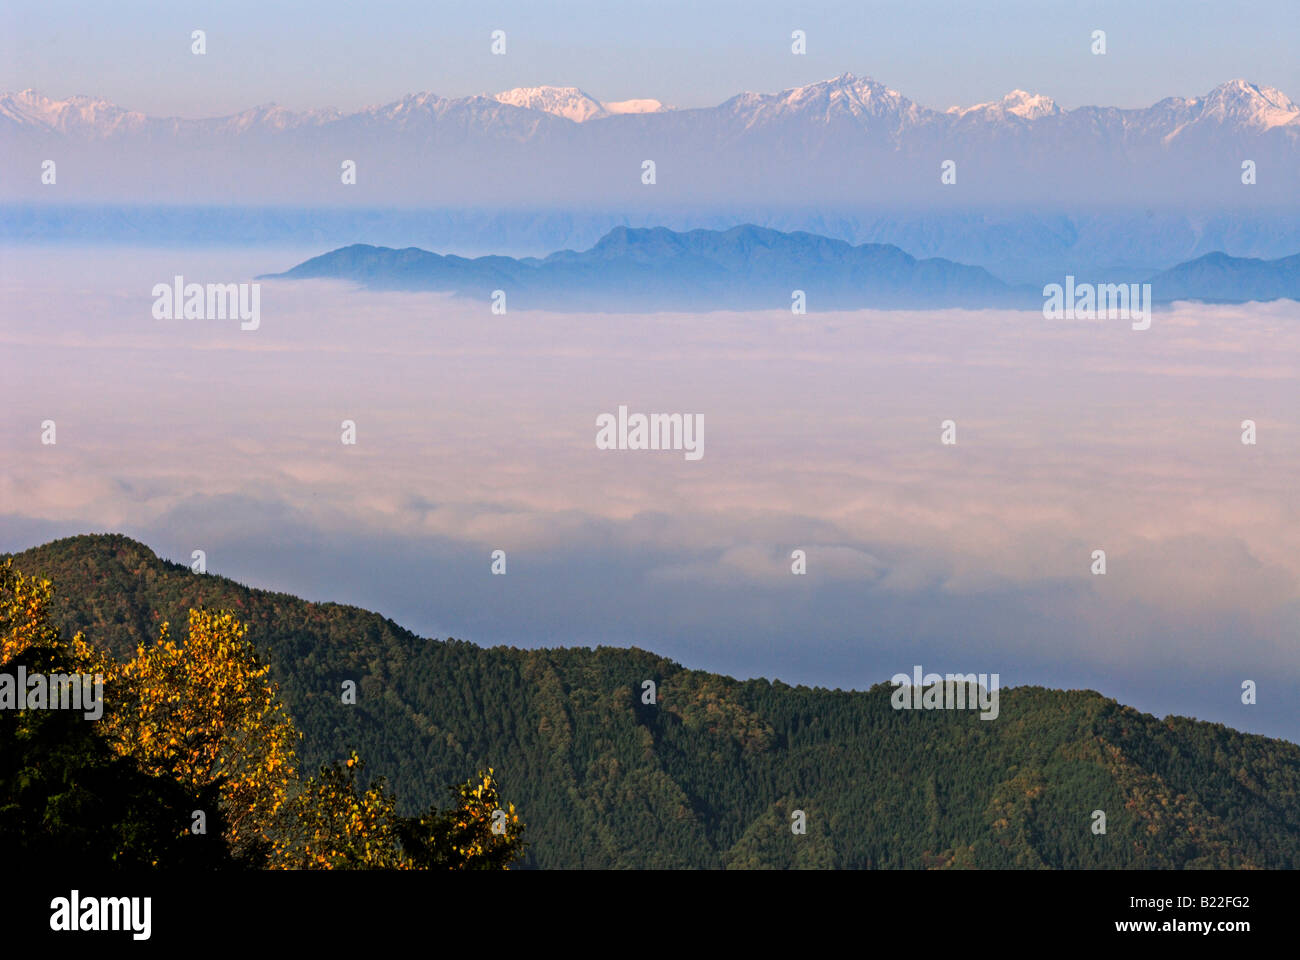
(1018,103)
(845,97)
(570,103)
(847,87)
(87,114)
(1248,103)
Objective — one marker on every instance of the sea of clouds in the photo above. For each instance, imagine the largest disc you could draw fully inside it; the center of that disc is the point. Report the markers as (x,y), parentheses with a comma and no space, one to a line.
(476,432)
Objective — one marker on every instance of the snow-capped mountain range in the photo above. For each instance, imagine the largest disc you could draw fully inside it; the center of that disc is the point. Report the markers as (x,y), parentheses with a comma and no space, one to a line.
(1237,102)
(97,117)
(845,140)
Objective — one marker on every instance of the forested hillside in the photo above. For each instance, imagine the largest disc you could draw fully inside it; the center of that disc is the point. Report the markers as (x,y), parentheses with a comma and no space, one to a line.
(708,776)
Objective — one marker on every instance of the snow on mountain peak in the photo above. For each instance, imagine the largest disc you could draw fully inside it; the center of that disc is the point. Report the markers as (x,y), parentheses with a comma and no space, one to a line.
(1031,106)
(567,102)
(1243,102)
(845,96)
(634,106)
(1018,103)
(848,87)
(572,103)
(30,108)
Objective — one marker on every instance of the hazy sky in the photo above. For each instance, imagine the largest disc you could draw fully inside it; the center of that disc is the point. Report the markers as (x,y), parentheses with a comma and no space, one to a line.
(684,52)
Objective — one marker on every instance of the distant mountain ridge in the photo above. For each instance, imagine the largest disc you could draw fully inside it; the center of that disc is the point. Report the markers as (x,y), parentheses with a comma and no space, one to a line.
(1017,246)
(1219,277)
(848,139)
(708,775)
(749,267)
(657,268)
(1237,102)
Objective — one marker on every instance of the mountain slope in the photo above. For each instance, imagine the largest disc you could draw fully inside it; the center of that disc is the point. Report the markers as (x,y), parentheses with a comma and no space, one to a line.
(708,776)
(1217,276)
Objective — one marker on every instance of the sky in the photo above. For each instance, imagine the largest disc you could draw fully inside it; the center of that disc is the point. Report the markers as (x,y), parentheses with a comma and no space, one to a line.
(348,55)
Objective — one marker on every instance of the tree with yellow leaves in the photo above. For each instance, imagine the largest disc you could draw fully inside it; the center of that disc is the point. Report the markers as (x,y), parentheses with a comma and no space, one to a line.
(65,795)
(478,832)
(24,614)
(28,635)
(205,713)
(332,823)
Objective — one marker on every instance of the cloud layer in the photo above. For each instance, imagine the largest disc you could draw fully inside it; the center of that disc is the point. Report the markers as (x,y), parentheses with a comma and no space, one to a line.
(476,432)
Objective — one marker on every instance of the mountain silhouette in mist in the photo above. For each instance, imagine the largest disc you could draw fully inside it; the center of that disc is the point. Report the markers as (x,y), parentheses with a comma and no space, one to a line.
(746,267)
(1217,277)
(753,268)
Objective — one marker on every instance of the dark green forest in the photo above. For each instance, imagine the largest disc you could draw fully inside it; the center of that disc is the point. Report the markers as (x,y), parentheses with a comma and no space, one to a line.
(709,775)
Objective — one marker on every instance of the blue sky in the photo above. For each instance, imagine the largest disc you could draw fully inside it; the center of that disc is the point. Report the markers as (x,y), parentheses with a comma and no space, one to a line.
(347,55)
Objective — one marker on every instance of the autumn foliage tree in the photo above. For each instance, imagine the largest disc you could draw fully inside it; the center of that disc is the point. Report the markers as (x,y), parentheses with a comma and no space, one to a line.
(65,794)
(205,714)
(336,822)
(477,832)
(24,614)
(333,822)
